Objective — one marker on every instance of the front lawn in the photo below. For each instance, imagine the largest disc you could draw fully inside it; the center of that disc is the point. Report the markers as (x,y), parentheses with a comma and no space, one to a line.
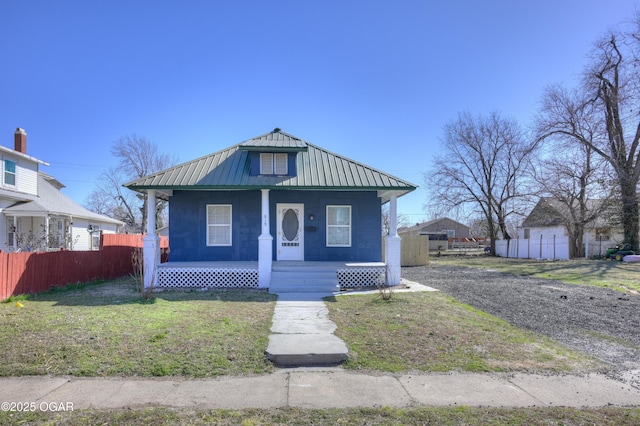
(107,329)
(430,331)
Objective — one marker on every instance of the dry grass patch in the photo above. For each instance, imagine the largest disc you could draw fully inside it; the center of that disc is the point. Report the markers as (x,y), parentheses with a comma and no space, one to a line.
(354,416)
(109,330)
(620,276)
(432,332)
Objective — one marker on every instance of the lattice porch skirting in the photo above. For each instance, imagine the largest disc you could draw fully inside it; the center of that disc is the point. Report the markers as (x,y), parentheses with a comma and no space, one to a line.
(351,277)
(207,277)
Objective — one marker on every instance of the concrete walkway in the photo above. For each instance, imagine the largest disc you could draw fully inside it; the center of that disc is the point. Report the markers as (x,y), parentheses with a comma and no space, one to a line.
(326,388)
(302,333)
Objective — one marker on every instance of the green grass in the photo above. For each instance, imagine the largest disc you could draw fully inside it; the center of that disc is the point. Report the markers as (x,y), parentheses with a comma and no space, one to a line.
(619,276)
(107,329)
(362,416)
(16,298)
(429,331)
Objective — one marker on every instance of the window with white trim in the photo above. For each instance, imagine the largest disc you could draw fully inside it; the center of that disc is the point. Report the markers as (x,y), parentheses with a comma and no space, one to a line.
(9,172)
(95,238)
(219,224)
(273,164)
(338,226)
(12,231)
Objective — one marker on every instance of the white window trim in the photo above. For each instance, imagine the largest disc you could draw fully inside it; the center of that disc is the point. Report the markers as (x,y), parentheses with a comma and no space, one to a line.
(230,225)
(272,159)
(266,159)
(14,173)
(339,226)
(94,237)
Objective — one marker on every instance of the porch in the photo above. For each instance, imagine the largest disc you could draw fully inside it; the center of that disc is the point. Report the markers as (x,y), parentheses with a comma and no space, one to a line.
(286,276)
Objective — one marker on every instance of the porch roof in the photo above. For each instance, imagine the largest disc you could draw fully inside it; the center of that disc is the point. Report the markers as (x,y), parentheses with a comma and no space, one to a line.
(229,169)
(50,201)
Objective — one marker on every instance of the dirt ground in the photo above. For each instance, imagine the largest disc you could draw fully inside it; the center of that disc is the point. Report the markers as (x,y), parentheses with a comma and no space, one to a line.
(603,323)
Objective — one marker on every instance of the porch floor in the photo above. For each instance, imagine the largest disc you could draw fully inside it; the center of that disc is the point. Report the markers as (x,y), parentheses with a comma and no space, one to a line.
(287,276)
(210,264)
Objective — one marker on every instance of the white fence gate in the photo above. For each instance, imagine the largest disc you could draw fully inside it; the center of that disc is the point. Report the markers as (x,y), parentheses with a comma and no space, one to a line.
(555,247)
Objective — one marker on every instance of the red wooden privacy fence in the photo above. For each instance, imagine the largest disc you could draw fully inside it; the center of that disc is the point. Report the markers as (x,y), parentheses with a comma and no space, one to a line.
(22,273)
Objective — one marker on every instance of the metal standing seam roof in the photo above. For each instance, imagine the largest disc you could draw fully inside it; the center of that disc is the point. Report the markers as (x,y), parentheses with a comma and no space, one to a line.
(229,168)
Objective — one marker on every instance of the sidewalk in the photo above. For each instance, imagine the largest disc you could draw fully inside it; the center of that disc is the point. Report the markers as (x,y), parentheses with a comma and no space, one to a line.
(324,388)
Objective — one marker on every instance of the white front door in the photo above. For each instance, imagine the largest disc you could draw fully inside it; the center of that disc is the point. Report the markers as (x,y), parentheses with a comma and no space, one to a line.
(290,238)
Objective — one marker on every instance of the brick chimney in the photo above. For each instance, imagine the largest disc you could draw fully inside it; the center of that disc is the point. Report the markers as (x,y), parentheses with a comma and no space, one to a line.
(20,139)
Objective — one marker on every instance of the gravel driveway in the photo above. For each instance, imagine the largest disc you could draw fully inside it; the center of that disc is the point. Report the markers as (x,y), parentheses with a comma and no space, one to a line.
(600,322)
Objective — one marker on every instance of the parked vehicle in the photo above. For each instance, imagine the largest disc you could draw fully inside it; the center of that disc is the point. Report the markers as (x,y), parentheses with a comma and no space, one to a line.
(619,252)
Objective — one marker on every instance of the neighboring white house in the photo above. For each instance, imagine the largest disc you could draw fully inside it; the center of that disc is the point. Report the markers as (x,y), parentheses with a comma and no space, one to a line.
(544,236)
(35,215)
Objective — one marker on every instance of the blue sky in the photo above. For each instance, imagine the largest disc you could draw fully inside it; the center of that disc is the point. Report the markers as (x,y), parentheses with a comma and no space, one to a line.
(375,81)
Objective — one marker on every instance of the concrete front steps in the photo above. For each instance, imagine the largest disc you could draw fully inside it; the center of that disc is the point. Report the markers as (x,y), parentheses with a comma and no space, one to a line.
(301,332)
(304,277)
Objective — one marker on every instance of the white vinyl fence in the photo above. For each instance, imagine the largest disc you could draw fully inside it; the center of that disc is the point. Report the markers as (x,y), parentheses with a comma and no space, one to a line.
(545,247)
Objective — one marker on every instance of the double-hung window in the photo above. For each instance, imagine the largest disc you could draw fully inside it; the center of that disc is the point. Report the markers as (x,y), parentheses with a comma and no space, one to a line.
(219,224)
(273,164)
(338,226)
(9,172)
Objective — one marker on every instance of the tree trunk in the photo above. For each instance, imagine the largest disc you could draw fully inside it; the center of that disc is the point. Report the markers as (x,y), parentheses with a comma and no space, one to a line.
(491,228)
(503,228)
(576,238)
(630,211)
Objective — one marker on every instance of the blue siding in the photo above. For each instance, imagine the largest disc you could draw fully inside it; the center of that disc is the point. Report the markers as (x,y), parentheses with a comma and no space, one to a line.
(187,224)
(366,239)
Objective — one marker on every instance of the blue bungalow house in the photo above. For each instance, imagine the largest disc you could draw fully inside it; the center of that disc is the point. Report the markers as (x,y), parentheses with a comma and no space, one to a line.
(270,200)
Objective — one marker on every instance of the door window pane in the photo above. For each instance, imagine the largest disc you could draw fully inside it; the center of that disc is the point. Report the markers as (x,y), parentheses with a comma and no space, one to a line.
(290,225)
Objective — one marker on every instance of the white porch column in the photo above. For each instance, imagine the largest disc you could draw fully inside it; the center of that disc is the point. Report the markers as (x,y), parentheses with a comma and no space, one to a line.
(265,245)
(393,244)
(151,250)
(46,232)
(15,233)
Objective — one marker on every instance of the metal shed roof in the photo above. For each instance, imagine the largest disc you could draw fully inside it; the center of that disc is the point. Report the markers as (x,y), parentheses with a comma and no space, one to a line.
(317,169)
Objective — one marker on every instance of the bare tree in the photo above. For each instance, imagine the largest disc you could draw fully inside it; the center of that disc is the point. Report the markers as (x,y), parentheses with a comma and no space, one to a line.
(401,220)
(482,166)
(602,113)
(577,184)
(137,157)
